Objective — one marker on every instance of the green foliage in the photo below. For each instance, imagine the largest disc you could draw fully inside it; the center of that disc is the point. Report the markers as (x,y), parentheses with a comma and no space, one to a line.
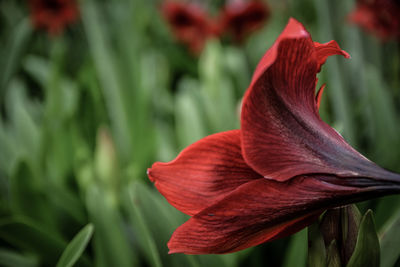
(389,239)
(367,250)
(76,247)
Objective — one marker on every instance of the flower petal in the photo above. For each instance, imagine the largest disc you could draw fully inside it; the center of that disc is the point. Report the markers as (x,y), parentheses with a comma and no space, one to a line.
(282,133)
(203,173)
(380,17)
(189,23)
(241,17)
(256,212)
(323,51)
(294,29)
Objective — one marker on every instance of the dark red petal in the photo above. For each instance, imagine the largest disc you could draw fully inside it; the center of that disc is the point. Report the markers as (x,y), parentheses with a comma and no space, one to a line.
(294,29)
(189,23)
(240,18)
(256,212)
(319,95)
(203,173)
(323,51)
(282,133)
(53,16)
(378,16)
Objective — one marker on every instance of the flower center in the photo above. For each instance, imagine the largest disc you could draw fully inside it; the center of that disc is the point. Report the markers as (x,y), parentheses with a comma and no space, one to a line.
(52,4)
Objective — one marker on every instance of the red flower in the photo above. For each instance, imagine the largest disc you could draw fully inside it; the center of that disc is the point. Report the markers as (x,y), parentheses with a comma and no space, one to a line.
(53,15)
(189,23)
(381,17)
(240,17)
(280,171)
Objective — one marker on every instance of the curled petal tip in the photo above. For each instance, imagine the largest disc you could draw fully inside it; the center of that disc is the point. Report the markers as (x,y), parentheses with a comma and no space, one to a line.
(345,54)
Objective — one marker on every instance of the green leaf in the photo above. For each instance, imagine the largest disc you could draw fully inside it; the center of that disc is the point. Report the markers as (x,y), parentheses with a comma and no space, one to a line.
(189,117)
(9,258)
(217,91)
(332,255)
(316,247)
(29,236)
(145,240)
(24,130)
(76,247)
(367,250)
(336,84)
(296,254)
(108,75)
(26,196)
(384,121)
(161,220)
(390,241)
(10,57)
(111,242)
(38,68)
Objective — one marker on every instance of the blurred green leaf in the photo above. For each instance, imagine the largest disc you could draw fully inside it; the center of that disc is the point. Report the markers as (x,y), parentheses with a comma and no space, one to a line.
(26,198)
(161,220)
(296,253)
(332,255)
(76,247)
(217,91)
(38,68)
(236,63)
(367,250)
(335,84)
(166,145)
(29,236)
(24,130)
(384,119)
(316,247)
(8,147)
(10,258)
(10,57)
(189,117)
(108,75)
(145,240)
(389,239)
(111,242)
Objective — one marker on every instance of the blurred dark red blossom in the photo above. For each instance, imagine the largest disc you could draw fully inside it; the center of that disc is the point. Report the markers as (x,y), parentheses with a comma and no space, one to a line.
(189,23)
(280,171)
(239,18)
(381,17)
(193,26)
(53,15)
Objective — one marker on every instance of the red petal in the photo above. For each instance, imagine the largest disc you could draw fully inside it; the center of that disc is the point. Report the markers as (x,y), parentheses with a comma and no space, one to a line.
(256,212)
(319,95)
(282,133)
(323,51)
(240,18)
(202,173)
(378,16)
(294,29)
(189,23)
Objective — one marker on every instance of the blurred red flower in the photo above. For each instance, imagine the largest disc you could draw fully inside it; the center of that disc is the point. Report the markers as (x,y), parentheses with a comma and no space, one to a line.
(280,171)
(381,17)
(53,15)
(193,26)
(189,23)
(239,18)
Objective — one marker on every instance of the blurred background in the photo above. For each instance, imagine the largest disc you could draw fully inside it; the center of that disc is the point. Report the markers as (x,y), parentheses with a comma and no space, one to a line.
(93,92)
